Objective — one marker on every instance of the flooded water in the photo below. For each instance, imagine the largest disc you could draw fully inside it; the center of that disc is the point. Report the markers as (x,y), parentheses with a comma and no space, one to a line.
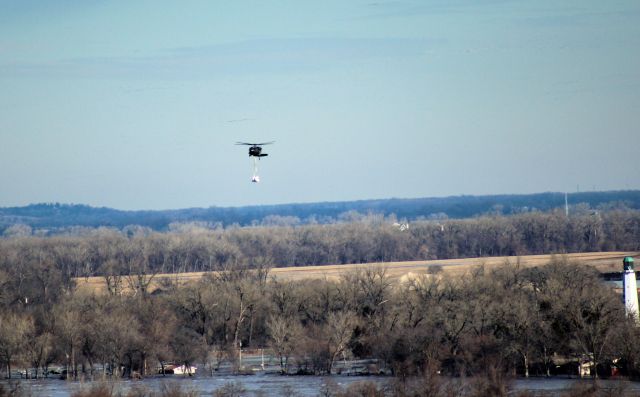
(275,385)
(262,385)
(557,386)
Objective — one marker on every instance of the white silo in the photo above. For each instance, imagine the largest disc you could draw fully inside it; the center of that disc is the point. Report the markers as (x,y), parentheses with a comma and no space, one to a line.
(630,288)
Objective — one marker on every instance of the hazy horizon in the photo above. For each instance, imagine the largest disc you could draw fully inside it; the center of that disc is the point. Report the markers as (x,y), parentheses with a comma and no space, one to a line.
(560,202)
(138,105)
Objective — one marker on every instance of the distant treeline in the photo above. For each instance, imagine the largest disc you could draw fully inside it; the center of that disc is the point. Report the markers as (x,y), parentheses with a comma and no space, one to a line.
(59,218)
(363,238)
(491,323)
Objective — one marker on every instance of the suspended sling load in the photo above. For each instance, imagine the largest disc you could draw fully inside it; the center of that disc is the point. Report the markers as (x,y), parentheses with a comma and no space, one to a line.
(255,151)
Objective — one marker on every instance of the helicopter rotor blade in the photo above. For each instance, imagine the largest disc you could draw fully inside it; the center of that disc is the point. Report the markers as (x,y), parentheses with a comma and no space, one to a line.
(255,144)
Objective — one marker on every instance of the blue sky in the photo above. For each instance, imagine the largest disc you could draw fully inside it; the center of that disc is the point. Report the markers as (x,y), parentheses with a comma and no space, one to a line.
(137,104)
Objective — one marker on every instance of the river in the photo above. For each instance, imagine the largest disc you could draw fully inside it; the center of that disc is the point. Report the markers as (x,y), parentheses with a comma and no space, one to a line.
(276,385)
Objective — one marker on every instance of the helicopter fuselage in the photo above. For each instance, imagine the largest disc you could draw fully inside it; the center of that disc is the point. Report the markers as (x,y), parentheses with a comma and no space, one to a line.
(256,151)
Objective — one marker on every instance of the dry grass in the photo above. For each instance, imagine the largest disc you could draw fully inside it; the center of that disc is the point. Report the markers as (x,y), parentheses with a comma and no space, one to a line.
(603,261)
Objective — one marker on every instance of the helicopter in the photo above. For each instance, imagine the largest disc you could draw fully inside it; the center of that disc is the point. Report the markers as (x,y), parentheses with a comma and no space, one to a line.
(255,151)
(256,148)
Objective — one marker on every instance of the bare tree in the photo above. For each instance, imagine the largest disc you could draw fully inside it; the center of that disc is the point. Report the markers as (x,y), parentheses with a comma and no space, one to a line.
(285,333)
(68,321)
(338,332)
(14,330)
